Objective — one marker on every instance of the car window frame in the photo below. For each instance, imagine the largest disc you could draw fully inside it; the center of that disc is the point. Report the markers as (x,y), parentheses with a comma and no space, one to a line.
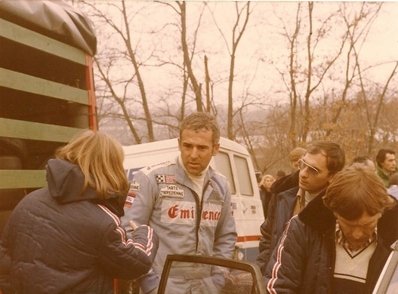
(388,271)
(253,269)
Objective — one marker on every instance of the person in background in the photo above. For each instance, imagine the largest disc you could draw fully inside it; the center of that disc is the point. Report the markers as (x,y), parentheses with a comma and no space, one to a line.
(393,185)
(67,237)
(294,157)
(291,180)
(265,191)
(386,164)
(188,204)
(365,160)
(281,184)
(280,174)
(258,177)
(340,242)
(320,163)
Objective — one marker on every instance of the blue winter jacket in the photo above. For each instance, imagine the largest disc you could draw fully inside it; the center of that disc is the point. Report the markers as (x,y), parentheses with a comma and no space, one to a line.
(62,239)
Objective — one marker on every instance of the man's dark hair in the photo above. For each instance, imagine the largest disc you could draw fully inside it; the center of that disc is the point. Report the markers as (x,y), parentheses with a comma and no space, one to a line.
(335,156)
(201,120)
(381,155)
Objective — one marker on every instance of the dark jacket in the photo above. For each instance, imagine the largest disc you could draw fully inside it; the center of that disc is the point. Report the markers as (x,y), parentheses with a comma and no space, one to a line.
(304,260)
(279,212)
(61,239)
(279,206)
(265,197)
(285,183)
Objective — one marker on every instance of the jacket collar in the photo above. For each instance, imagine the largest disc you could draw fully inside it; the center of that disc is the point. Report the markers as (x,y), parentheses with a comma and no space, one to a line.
(316,215)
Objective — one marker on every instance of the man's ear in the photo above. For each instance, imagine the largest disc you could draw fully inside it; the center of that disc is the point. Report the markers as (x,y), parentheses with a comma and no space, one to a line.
(216,148)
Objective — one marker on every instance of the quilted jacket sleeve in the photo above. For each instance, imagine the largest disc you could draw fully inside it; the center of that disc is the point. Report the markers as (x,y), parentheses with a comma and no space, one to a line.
(284,270)
(128,258)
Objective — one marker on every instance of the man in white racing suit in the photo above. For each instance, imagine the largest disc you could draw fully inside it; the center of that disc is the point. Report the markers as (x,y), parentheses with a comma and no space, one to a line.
(188,204)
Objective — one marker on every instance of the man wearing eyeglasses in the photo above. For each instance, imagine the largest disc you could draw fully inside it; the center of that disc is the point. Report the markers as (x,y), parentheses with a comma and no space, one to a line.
(340,242)
(319,164)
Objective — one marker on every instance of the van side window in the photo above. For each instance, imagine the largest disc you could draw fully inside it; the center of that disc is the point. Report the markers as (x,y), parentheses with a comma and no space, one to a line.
(245,183)
(223,165)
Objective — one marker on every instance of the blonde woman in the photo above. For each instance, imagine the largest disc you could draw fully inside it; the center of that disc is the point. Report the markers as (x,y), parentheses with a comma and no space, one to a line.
(66,237)
(265,191)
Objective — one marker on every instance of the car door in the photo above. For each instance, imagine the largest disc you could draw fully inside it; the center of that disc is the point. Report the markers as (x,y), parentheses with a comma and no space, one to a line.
(204,274)
(388,280)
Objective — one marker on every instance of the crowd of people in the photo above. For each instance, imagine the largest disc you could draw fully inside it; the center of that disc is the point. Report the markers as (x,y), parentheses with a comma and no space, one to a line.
(328,225)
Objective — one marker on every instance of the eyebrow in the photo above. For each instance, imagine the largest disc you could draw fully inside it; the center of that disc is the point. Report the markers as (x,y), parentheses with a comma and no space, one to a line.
(186,144)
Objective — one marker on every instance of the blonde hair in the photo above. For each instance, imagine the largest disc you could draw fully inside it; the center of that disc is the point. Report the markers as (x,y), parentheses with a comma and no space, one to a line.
(264,178)
(297,153)
(100,158)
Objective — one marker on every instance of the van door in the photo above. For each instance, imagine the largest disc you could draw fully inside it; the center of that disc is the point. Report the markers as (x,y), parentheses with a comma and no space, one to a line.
(246,204)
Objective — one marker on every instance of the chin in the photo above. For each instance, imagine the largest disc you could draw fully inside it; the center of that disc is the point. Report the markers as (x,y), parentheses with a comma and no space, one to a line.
(194,172)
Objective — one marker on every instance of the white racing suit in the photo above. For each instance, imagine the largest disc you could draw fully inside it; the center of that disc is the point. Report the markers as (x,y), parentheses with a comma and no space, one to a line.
(163,197)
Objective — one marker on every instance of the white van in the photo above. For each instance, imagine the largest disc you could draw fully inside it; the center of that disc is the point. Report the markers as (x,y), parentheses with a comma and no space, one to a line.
(233,161)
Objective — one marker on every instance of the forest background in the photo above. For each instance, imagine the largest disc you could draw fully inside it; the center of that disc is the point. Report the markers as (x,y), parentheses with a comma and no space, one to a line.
(277,75)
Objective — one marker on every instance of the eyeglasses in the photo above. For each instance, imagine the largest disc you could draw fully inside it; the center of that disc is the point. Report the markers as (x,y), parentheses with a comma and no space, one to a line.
(311,169)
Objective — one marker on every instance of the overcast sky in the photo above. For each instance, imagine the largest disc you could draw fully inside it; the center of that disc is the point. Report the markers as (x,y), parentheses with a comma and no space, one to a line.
(262,41)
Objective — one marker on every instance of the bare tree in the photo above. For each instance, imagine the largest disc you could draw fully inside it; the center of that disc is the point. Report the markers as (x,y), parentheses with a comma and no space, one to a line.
(128,53)
(321,68)
(196,87)
(373,124)
(355,33)
(313,81)
(239,27)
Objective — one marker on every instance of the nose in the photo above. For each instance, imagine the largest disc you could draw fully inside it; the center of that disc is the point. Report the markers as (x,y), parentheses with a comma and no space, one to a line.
(194,152)
(303,172)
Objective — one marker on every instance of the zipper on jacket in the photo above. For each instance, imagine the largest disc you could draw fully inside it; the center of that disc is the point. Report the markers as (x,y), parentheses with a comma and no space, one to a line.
(199,212)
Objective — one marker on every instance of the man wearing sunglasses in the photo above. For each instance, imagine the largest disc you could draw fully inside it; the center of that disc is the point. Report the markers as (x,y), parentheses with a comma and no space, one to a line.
(340,242)
(317,167)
